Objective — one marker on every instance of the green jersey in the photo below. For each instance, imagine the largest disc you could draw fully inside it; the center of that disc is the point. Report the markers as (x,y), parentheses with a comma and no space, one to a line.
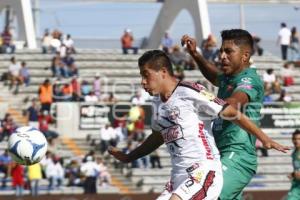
(296,162)
(230,137)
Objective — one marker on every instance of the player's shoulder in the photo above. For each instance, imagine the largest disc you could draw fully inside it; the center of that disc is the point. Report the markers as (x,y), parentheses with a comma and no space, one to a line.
(190,86)
(250,76)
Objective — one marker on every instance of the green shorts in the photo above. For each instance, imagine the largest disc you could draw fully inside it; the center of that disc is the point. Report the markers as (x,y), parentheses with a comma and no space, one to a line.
(237,173)
(294,193)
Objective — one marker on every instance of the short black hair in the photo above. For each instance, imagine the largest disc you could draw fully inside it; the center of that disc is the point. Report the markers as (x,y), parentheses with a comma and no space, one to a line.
(156,60)
(239,37)
(283,24)
(296,132)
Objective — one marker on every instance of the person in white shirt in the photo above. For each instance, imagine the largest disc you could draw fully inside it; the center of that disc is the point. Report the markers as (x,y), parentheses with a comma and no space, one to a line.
(138,99)
(14,74)
(284,37)
(90,169)
(108,136)
(69,42)
(91,97)
(55,173)
(271,83)
(182,114)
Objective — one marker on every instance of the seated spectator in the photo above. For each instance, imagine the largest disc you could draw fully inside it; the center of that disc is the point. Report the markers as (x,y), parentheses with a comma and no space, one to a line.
(32,114)
(8,127)
(177,56)
(105,177)
(68,59)
(86,88)
(55,65)
(287,74)
(167,43)
(97,86)
(14,74)
(62,50)
(256,47)
(107,137)
(284,97)
(110,98)
(44,120)
(73,173)
(46,42)
(271,82)
(127,42)
(138,98)
(24,73)
(67,92)
(155,159)
(91,97)
(54,173)
(7,43)
(69,43)
(76,96)
(55,43)
(179,72)
(209,49)
(5,162)
(72,70)
(63,70)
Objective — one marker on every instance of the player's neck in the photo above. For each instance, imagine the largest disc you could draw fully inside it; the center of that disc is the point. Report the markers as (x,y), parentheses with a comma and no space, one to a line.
(170,86)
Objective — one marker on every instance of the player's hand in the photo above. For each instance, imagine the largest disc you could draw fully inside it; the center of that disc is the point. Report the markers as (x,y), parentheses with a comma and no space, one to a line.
(189,43)
(270,144)
(118,154)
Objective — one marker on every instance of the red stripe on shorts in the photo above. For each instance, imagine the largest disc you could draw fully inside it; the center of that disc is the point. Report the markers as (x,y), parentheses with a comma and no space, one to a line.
(202,193)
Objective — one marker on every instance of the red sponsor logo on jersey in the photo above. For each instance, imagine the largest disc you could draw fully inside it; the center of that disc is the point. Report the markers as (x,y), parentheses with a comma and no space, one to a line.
(171,134)
(201,135)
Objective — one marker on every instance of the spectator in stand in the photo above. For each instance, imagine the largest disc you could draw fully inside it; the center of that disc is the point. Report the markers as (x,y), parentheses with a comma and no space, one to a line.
(97,86)
(91,97)
(45,162)
(44,120)
(105,177)
(45,96)
(46,41)
(107,137)
(62,50)
(271,82)
(209,49)
(14,74)
(294,45)
(5,162)
(284,37)
(294,192)
(284,97)
(67,92)
(177,56)
(56,41)
(7,43)
(8,126)
(110,98)
(68,59)
(127,42)
(167,43)
(256,47)
(76,89)
(24,74)
(90,170)
(179,72)
(138,98)
(139,129)
(63,70)
(17,174)
(54,173)
(86,88)
(155,159)
(55,65)
(69,43)
(32,114)
(287,73)
(73,173)
(34,176)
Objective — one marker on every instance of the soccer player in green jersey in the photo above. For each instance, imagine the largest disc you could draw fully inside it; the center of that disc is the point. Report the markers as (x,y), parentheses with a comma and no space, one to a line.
(294,193)
(242,88)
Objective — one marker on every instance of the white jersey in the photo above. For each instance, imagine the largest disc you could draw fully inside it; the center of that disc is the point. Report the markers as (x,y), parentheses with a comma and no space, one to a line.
(184,121)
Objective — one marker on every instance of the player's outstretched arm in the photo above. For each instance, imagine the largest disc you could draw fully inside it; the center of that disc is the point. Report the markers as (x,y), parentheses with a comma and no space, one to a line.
(154,141)
(209,70)
(231,114)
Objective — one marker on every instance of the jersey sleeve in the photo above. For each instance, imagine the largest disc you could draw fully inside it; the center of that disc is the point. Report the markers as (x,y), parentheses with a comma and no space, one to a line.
(248,86)
(207,102)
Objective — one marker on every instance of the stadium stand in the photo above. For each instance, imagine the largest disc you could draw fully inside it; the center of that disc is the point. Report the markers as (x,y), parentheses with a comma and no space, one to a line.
(123,69)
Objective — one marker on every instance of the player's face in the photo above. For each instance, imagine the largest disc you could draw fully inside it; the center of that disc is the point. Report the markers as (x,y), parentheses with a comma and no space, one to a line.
(230,57)
(296,140)
(150,80)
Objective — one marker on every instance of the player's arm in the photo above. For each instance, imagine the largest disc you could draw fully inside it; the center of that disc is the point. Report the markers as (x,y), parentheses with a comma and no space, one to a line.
(231,114)
(209,70)
(238,99)
(154,141)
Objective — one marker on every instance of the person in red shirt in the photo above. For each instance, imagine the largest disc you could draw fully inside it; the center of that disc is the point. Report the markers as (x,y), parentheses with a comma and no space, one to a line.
(7,46)
(127,40)
(17,175)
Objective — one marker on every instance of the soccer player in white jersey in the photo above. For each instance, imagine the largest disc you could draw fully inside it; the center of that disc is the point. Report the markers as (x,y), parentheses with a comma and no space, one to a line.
(182,114)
